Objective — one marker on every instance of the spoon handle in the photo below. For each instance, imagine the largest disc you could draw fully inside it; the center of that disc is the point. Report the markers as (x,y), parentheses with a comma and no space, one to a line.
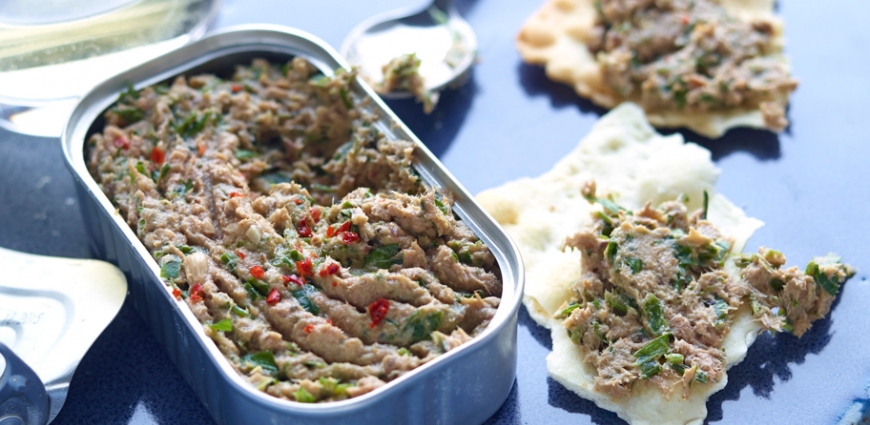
(444,5)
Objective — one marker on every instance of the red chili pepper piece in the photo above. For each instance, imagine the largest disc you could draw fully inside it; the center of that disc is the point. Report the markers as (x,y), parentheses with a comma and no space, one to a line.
(258,272)
(200,149)
(330,322)
(235,194)
(309,328)
(196,293)
(292,279)
(315,214)
(344,227)
(330,232)
(305,267)
(303,230)
(122,141)
(236,88)
(378,311)
(349,237)
(332,268)
(297,201)
(157,155)
(176,293)
(273,297)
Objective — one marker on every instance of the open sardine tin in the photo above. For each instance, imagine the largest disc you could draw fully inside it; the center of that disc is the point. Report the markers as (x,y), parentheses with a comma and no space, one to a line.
(465,385)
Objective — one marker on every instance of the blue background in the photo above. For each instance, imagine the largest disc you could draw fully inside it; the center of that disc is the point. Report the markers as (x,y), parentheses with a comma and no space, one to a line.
(809,184)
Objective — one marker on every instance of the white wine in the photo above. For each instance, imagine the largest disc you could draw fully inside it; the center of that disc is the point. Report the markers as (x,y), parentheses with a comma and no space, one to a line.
(54,51)
(39,37)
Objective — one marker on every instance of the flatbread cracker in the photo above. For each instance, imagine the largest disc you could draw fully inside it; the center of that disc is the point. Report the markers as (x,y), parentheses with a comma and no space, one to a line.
(556,36)
(627,158)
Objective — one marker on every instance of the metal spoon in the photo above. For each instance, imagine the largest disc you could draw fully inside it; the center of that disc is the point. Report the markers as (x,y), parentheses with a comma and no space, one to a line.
(441,39)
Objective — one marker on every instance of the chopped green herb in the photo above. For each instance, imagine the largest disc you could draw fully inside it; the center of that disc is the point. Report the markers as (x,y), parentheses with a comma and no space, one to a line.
(610,251)
(238,311)
(702,376)
(131,92)
(320,80)
(382,257)
(655,315)
(674,358)
(322,187)
(303,396)
(615,304)
(225,325)
(831,284)
(128,114)
(262,287)
(182,190)
(653,350)
(706,204)
(649,369)
(253,294)
(140,167)
(635,264)
(345,98)
(679,367)
(776,284)
(170,269)
(245,154)
(184,249)
(455,257)
(296,255)
(422,327)
(440,204)
(163,171)
(567,311)
(304,297)
(404,351)
(721,309)
(230,260)
(182,128)
(264,359)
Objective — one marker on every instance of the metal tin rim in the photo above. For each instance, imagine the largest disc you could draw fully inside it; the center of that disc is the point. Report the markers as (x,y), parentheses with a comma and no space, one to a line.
(92,105)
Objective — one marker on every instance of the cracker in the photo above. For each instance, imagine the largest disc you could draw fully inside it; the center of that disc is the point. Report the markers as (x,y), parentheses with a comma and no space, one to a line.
(626,157)
(556,37)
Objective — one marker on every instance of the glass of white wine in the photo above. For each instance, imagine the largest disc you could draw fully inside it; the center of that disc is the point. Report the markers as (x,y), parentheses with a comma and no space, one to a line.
(53,51)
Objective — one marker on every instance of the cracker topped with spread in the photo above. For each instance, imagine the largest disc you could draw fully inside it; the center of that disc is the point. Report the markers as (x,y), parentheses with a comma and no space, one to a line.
(638,272)
(708,65)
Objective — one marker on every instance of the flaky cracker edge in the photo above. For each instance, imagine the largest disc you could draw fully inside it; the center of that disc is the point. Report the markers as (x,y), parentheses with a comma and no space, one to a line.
(554,37)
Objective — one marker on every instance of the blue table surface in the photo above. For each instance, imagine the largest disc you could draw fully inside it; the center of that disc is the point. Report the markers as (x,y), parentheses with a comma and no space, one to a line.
(809,184)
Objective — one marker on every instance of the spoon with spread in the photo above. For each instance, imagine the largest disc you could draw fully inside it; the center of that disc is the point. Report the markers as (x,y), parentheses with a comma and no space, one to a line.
(432,47)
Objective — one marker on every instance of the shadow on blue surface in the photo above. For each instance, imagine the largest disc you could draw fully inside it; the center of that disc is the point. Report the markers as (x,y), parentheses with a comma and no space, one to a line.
(539,333)
(769,357)
(127,378)
(438,129)
(535,83)
(509,412)
(762,144)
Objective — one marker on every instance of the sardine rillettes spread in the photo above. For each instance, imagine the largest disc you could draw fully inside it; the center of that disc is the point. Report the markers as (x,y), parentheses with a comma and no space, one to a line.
(316,259)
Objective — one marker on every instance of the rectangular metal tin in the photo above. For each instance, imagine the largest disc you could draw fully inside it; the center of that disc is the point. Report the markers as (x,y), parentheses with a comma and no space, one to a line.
(466,385)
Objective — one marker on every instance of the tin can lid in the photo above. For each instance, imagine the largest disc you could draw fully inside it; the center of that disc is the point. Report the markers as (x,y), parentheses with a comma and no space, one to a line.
(53,311)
